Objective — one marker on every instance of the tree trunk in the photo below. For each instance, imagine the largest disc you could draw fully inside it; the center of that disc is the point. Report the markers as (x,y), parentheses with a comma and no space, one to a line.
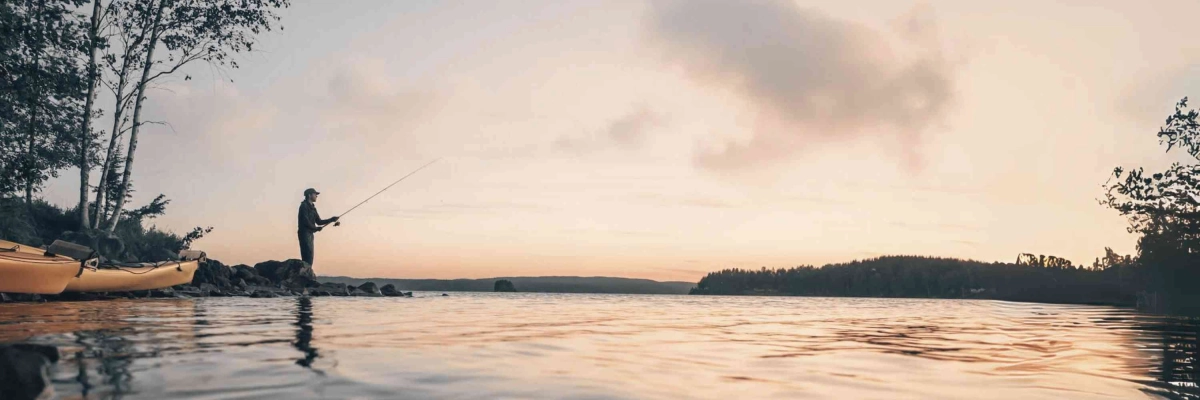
(30,164)
(137,111)
(85,133)
(102,187)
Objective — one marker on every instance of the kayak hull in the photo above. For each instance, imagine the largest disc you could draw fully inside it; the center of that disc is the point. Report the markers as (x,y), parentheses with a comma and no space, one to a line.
(35,274)
(146,276)
(27,269)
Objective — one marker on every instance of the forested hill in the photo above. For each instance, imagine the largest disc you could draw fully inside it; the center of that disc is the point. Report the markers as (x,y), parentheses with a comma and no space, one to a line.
(543,284)
(1109,282)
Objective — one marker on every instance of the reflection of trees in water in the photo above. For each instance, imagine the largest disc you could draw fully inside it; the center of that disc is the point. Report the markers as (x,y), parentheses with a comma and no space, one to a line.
(111,355)
(1179,371)
(304,332)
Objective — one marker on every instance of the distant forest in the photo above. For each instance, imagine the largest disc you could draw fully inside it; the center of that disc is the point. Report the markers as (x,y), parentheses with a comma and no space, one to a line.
(1163,208)
(1111,280)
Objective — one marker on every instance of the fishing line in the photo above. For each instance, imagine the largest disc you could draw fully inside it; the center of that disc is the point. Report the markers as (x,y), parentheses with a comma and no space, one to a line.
(388,187)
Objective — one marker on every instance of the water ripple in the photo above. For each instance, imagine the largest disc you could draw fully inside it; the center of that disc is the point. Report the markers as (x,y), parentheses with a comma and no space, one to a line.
(607,346)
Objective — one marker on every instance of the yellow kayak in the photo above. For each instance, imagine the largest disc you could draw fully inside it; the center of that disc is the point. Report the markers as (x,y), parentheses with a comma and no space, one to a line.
(26,269)
(138,276)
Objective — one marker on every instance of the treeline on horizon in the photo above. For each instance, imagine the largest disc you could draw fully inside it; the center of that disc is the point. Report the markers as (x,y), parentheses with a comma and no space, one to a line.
(1163,208)
(532,284)
(1113,279)
(75,76)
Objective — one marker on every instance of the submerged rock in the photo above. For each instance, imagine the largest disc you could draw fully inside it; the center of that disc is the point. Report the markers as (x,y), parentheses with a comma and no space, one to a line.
(369,289)
(263,294)
(24,370)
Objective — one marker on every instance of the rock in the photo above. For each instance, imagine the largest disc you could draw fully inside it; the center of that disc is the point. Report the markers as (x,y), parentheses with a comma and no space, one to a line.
(241,283)
(334,289)
(189,290)
(214,273)
(22,297)
(504,285)
(244,271)
(443,294)
(263,294)
(161,293)
(291,273)
(369,289)
(390,291)
(24,370)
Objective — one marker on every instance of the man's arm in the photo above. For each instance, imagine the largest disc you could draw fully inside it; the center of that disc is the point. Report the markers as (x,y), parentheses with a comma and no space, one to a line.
(320,221)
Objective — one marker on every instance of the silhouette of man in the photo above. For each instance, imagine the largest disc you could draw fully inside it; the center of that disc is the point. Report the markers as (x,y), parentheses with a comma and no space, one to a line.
(310,222)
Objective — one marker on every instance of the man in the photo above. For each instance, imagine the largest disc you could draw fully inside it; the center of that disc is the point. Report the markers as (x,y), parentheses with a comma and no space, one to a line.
(310,223)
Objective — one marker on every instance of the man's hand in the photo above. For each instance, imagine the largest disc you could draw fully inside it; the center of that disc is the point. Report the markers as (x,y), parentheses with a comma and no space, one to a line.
(319,228)
(334,219)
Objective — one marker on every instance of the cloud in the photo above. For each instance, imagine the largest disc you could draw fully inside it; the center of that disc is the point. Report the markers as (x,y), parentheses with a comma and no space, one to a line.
(810,77)
(628,132)
(365,105)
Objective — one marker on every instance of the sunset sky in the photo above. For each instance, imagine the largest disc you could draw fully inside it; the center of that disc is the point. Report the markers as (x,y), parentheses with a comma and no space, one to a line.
(667,139)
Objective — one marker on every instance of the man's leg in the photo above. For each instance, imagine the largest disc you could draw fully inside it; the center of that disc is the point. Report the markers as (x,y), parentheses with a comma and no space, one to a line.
(306,247)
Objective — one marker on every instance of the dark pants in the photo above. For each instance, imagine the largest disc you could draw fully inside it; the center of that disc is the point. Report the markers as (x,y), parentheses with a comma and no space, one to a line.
(306,246)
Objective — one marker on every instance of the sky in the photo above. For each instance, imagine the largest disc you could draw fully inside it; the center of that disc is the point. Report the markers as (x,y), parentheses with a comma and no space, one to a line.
(667,139)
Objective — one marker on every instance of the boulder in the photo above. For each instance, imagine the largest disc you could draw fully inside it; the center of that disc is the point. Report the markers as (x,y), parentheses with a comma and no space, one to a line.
(332,289)
(291,273)
(24,370)
(244,272)
(263,294)
(369,289)
(214,273)
(390,291)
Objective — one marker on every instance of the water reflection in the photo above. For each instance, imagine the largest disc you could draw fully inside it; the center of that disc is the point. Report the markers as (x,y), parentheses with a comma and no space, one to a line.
(304,332)
(608,346)
(1177,374)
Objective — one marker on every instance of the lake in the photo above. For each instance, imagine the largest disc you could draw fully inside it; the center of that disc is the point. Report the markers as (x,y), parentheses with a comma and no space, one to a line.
(523,345)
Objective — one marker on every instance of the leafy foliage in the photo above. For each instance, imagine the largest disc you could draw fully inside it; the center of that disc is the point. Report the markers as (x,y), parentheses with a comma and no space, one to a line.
(41,91)
(1163,208)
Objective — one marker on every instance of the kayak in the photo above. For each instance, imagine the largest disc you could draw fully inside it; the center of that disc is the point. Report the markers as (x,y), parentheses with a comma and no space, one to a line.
(133,276)
(27,269)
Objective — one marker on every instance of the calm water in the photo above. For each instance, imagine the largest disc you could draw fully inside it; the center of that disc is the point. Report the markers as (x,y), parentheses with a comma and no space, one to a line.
(606,346)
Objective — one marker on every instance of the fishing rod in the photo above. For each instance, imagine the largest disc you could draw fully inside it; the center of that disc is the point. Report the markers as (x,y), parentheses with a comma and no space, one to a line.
(386,188)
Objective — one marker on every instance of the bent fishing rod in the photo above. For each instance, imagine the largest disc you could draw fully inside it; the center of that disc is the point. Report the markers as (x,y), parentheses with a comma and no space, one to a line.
(384,189)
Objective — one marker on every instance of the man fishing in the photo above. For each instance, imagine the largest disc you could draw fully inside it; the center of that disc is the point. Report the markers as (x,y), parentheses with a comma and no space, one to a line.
(310,223)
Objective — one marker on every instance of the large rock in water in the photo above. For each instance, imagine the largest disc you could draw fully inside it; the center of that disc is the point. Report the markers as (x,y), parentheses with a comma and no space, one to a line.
(390,291)
(106,244)
(291,273)
(369,289)
(214,273)
(24,370)
(332,289)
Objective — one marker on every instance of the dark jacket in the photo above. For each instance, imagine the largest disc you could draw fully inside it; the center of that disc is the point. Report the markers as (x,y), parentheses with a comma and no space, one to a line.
(308,219)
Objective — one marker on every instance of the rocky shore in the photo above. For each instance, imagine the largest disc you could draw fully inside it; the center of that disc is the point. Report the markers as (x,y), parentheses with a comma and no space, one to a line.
(214,279)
